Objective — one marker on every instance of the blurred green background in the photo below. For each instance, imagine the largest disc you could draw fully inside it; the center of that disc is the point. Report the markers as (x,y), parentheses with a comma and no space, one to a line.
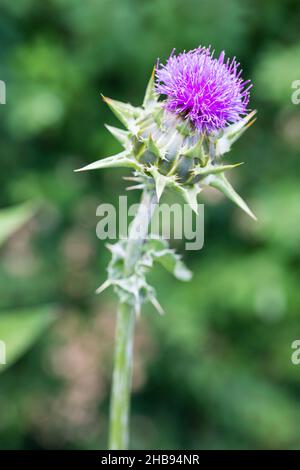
(215,372)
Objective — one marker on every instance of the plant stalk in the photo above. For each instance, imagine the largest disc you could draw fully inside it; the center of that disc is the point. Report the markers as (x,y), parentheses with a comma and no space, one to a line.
(123,362)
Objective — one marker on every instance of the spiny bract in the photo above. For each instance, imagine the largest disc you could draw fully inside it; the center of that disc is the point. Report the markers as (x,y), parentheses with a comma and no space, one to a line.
(167,149)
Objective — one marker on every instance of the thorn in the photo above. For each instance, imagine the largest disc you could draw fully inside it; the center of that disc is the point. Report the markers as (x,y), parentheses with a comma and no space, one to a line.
(251,123)
(156,305)
(222,184)
(137,179)
(103,286)
(137,186)
(104,98)
(119,134)
(152,146)
(150,95)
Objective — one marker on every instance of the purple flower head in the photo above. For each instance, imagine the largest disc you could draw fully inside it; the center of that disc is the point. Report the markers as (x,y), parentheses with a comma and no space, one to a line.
(208,91)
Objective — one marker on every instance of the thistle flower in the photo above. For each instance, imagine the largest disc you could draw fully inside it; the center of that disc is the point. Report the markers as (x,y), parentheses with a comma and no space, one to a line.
(208,91)
(179,142)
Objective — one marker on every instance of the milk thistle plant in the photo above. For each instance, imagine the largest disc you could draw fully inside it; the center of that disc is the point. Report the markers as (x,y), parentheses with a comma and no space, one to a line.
(194,109)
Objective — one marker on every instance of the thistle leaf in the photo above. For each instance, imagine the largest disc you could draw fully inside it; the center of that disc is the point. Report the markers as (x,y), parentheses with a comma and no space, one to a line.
(153,147)
(160,180)
(119,134)
(158,250)
(158,115)
(172,263)
(190,195)
(222,184)
(120,160)
(233,132)
(160,184)
(214,169)
(196,151)
(239,127)
(125,112)
(136,186)
(150,95)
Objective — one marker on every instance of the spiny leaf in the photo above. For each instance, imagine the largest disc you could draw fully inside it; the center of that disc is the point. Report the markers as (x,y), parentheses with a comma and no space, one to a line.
(150,95)
(125,112)
(158,115)
(233,132)
(153,147)
(120,160)
(239,126)
(160,184)
(136,186)
(189,194)
(160,180)
(158,250)
(134,290)
(222,184)
(184,128)
(214,169)
(172,263)
(119,134)
(196,151)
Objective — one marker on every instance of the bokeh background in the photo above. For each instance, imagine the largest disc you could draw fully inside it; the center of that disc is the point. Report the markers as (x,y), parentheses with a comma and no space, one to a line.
(215,372)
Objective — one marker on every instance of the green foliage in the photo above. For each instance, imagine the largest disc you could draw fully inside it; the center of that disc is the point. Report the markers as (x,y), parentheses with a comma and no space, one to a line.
(13,218)
(276,71)
(19,330)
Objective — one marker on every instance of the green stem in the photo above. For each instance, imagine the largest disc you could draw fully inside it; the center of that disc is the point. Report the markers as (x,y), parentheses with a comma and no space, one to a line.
(122,375)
